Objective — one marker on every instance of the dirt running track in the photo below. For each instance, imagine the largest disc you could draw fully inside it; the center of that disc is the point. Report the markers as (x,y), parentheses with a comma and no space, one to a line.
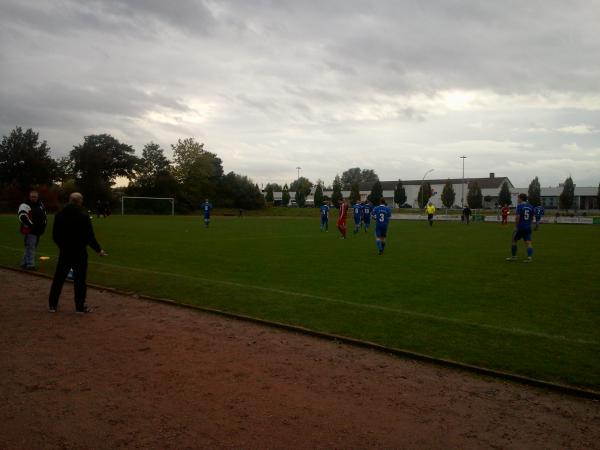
(138,374)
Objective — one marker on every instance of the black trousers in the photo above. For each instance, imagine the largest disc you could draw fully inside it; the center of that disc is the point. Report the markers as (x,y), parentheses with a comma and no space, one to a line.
(67,261)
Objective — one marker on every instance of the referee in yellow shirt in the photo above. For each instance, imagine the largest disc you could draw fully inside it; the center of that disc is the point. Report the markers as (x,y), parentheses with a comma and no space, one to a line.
(430,212)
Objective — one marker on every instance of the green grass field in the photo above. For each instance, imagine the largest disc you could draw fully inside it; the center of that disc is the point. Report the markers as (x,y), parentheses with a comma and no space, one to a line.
(444,291)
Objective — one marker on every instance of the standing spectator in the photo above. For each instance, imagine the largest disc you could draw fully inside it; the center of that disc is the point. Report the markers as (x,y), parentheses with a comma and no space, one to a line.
(72,233)
(33,224)
(466,214)
(505,210)
(430,212)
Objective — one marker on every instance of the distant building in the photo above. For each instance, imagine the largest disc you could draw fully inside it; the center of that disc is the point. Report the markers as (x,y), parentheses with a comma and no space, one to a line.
(585,197)
(490,188)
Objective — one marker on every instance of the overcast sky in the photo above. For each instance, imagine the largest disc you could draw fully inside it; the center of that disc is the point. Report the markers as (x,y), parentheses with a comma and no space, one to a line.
(395,86)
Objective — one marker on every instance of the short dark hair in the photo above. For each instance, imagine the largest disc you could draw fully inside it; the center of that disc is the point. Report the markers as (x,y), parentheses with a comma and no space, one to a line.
(523,197)
(382,201)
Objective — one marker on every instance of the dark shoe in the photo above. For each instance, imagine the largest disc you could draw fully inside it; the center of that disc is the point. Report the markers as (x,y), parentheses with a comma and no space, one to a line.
(52,310)
(86,310)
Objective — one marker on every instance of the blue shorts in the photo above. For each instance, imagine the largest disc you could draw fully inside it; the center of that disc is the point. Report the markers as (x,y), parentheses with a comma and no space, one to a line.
(381,231)
(324,219)
(367,220)
(357,220)
(524,234)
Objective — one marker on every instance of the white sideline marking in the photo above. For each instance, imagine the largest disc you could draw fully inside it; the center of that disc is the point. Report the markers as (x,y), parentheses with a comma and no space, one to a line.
(345,302)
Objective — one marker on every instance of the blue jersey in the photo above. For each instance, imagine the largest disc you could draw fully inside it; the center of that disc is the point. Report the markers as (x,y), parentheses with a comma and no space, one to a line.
(357,210)
(539,212)
(525,213)
(206,207)
(367,213)
(324,212)
(382,215)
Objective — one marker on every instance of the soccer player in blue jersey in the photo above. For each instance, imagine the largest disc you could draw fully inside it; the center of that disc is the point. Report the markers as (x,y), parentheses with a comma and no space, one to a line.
(325,216)
(539,213)
(367,209)
(381,214)
(524,217)
(206,208)
(357,209)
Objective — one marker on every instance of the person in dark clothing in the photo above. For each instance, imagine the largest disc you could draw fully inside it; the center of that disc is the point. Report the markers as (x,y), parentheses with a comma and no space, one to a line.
(466,214)
(33,224)
(72,233)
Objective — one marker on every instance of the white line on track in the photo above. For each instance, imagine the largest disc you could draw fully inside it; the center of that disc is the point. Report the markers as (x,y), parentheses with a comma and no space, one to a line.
(516,331)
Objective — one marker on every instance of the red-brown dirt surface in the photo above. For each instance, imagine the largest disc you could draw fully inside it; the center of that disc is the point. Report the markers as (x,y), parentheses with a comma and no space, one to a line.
(139,374)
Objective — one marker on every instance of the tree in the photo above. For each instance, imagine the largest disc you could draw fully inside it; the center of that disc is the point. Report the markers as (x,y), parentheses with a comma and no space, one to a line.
(399,194)
(197,170)
(376,193)
(25,162)
(424,194)
(153,174)
(448,195)
(96,164)
(300,198)
(567,197)
(238,191)
(303,185)
(534,192)
(269,193)
(285,196)
(336,195)
(354,194)
(474,197)
(319,195)
(358,176)
(504,197)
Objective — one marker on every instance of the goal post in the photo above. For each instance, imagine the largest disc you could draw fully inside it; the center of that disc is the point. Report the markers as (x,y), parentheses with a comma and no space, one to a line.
(147,201)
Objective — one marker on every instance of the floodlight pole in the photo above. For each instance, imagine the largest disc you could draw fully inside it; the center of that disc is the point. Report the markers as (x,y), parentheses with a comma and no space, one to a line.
(422,182)
(298,168)
(462,186)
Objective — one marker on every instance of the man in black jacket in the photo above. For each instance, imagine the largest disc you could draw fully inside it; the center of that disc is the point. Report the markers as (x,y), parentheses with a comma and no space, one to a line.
(33,224)
(73,232)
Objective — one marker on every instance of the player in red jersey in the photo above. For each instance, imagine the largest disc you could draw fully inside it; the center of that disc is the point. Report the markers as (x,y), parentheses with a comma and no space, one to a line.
(505,210)
(341,223)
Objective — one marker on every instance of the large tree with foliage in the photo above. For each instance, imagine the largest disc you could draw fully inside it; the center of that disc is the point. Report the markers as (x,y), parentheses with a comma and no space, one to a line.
(376,193)
(424,194)
(238,191)
(354,194)
(567,197)
(504,197)
(474,196)
(197,170)
(97,162)
(336,195)
(25,162)
(399,194)
(300,198)
(269,193)
(448,195)
(302,185)
(153,174)
(285,195)
(534,193)
(318,198)
(358,176)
